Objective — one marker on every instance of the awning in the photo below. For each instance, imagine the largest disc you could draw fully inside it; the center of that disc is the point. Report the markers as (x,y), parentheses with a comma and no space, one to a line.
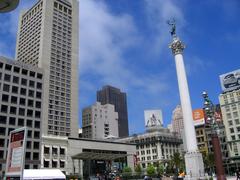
(99,156)
(43,174)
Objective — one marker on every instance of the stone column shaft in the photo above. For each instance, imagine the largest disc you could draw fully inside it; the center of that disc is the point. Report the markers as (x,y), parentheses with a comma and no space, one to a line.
(186,105)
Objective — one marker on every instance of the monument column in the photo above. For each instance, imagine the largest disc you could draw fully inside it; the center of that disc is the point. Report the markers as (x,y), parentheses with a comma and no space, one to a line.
(193,158)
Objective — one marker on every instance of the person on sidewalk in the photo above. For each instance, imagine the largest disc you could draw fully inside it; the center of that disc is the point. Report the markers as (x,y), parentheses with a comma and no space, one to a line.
(238,174)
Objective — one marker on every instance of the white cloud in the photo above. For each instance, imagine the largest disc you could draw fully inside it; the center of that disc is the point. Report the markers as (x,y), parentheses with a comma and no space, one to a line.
(196,65)
(104,41)
(158,12)
(9,26)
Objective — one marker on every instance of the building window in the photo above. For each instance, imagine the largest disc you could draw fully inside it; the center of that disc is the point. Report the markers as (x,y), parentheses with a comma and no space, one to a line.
(29,144)
(5,98)
(14,89)
(2,131)
(6,87)
(236,121)
(35,156)
(2,141)
(54,164)
(62,151)
(3,119)
(30,93)
(12,120)
(14,99)
(37,134)
(24,81)
(4,109)
(21,122)
(31,83)
(7,78)
(37,124)
(15,79)
(62,164)
(46,163)
(28,155)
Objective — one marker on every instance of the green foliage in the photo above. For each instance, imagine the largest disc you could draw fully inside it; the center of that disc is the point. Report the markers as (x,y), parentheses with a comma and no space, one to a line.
(178,162)
(150,170)
(138,169)
(160,169)
(208,160)
(127,171)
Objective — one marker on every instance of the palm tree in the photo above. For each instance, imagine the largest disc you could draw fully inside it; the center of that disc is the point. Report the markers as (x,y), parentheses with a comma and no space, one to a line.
(177,163)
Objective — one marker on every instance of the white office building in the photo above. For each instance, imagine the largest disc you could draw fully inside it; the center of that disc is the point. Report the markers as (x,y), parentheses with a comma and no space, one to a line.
(230,107)
(99,122)
(157,145)
(48,38)
(21,103)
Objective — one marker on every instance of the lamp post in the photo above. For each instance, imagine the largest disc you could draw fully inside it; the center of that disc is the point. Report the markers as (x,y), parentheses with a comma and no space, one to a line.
(209,112)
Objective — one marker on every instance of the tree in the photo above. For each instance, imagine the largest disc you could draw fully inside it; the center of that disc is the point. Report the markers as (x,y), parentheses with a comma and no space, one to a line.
(127,171)
(177,163)
(150,170)
(160,168)
(138,169)
(208,160)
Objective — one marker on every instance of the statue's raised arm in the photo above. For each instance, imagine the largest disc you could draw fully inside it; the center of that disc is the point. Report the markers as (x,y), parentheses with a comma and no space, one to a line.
(172,23)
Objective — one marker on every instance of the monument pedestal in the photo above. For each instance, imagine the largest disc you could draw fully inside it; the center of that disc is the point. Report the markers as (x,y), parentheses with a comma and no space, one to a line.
(194,166)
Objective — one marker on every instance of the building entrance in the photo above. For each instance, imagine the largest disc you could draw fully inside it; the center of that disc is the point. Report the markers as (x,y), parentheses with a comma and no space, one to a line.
(101,162)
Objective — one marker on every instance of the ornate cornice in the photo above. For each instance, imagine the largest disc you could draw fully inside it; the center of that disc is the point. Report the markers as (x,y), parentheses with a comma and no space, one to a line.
(177,46)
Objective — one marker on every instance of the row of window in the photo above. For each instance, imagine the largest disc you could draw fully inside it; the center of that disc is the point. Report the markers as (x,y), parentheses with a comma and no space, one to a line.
(55,164)
(24,82)
(19,121)
(9,67)
(20,111)
(22,101)
(30,134)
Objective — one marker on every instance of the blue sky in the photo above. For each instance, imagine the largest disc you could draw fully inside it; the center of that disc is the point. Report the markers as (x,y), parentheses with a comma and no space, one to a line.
(124,43)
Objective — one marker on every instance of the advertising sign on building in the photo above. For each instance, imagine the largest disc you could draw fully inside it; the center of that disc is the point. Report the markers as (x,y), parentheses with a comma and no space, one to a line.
(198,117)
(16,151)
(153,118)
(217,113)
(230,81)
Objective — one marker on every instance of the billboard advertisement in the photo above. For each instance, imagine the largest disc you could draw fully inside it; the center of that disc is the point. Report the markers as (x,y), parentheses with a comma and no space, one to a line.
(16,153)
(217,113)
(198,117)
(230,81)
(153,118)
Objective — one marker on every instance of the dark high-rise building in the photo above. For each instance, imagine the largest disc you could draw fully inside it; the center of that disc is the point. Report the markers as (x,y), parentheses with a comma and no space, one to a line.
(112,95)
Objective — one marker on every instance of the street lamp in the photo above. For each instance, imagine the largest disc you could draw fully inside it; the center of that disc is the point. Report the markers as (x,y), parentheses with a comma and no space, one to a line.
(209,112)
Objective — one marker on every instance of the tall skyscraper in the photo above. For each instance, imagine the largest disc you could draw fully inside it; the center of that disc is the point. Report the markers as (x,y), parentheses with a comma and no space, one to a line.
(112,95)
(177,120)
(48,38)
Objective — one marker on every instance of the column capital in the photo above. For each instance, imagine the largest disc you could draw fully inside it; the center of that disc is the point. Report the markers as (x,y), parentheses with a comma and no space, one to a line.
(177,46)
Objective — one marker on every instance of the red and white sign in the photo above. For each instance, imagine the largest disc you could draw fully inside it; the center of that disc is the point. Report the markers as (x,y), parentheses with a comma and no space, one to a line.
(16,151)
(198,117)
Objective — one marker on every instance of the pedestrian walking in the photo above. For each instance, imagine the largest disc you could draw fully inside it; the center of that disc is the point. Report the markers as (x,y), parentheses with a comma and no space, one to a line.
(238,174)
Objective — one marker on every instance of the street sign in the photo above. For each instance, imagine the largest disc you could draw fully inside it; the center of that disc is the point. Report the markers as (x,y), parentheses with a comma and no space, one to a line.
(16,153)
